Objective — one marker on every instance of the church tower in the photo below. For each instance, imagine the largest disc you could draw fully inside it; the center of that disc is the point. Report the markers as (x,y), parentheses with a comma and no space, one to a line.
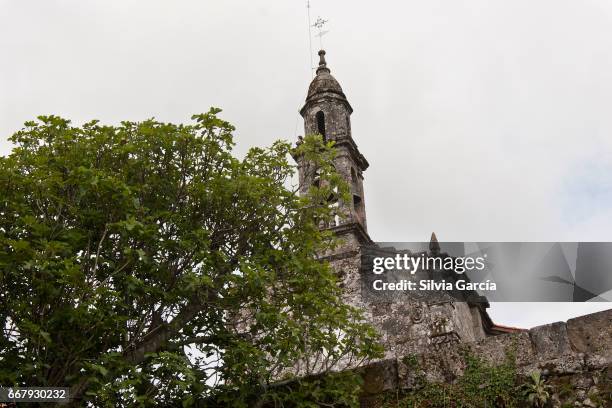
(327,112)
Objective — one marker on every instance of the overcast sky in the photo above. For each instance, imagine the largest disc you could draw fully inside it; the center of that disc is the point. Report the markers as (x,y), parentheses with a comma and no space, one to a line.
(482,120)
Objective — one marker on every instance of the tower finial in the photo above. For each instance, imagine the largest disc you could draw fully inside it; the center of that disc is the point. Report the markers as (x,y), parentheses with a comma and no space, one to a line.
(434,245)
(322,58)
(322,63)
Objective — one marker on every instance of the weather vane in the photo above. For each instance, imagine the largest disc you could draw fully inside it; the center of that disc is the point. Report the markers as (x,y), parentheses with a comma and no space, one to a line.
(319,24)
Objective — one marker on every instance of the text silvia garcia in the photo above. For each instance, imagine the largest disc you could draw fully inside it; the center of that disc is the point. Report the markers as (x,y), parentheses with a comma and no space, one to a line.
(434,285)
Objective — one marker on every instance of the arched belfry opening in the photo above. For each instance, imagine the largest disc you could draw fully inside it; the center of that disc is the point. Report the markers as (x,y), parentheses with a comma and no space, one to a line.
(320,117)
(357,201)
(316,182)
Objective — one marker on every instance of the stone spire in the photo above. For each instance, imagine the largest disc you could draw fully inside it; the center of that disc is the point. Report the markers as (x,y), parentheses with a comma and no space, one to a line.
(325,86)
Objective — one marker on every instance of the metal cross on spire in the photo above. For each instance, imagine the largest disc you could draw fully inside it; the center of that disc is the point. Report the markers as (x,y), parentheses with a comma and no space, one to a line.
(319,24)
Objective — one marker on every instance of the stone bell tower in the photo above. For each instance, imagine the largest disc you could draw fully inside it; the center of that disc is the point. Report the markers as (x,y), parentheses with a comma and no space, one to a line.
(327,112)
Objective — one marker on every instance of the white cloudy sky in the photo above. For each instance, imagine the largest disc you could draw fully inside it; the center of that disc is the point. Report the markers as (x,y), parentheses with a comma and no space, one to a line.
(483,120)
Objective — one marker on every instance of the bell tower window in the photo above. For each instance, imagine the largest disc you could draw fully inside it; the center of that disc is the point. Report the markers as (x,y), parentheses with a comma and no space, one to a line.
(321,124)
(354,179)
(316,182)
(348,125)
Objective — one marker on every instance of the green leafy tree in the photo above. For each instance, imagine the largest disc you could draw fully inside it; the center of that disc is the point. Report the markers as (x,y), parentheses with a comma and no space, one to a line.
(144,264)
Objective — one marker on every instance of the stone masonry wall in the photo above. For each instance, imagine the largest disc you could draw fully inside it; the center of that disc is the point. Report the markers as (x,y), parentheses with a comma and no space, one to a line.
(574,355)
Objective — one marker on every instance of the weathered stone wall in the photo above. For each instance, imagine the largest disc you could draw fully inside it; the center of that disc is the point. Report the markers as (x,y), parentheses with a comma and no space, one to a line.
(407,323)
(575,356)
